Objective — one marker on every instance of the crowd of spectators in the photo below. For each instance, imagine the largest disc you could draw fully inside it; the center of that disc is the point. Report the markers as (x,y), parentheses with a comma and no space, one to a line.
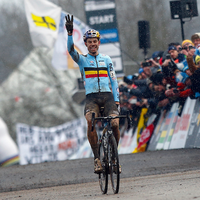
(167,77)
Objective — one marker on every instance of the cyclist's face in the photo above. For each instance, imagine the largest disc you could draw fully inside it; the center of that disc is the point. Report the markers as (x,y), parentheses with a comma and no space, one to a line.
(92,45)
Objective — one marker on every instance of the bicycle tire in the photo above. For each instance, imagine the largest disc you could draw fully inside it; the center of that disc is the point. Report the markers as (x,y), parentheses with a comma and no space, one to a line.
(114,164)
(103,177)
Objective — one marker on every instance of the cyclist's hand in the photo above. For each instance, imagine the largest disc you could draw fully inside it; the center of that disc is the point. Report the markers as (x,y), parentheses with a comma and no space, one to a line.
(69,24)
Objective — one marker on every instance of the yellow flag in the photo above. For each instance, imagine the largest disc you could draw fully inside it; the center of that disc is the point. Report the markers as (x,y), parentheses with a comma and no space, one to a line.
(43,19)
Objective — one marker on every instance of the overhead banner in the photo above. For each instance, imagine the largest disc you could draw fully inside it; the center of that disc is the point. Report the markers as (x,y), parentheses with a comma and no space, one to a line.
(101,15)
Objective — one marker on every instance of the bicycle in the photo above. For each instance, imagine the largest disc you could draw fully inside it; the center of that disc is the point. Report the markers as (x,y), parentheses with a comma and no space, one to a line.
(108,153)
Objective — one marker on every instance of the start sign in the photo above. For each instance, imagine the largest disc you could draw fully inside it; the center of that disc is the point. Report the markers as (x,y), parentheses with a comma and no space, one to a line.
(101,19)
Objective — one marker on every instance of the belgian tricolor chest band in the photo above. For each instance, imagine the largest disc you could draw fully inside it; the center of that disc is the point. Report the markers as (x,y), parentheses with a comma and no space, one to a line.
(91,72)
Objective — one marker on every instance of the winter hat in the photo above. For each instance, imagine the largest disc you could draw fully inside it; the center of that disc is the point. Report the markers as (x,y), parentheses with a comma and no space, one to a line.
(157,78)
(140,70)
(197,59)
(187,41)
(181,77)
(129,77)
(155,54)
(135,76)
(172,48)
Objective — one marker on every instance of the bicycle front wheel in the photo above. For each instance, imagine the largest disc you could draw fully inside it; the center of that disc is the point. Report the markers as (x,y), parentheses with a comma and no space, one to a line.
(114,164)
(103,177)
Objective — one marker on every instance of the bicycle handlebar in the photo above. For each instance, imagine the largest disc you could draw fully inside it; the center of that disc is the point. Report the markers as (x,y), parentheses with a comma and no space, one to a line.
(108,118)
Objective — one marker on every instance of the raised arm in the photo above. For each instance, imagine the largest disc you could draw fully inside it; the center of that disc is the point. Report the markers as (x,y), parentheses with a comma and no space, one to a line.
(70,43)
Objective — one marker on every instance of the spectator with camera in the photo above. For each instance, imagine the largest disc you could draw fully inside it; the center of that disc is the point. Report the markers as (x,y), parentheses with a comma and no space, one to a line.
(155,97)
(170,70)
(181,90)
(189,51)
(177,45)
(173,65)
(186,44)
(176,62)
(139,87)
(131,94)
(151,89)
(165,53)
(143,95)
(152,65)
(169,67)
(185,88)
(177,57)
(191,82)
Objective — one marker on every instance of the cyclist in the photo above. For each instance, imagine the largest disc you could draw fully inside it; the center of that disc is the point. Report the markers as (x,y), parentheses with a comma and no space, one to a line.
(96,70)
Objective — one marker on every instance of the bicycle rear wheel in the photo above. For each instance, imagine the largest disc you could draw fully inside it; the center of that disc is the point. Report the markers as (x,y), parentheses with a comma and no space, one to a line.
(103,177)
(114,164)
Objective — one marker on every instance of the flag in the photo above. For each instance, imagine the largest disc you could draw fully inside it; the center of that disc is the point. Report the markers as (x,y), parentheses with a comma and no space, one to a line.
(43,19)
(145,136)
(61,59)
(141,126)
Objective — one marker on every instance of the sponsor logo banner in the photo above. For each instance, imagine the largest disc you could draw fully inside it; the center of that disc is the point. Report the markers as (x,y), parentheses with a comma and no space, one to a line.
(37,144)
(182,127)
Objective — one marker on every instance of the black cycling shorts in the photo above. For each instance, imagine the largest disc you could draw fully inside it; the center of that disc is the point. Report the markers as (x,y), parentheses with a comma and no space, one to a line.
(95,101)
